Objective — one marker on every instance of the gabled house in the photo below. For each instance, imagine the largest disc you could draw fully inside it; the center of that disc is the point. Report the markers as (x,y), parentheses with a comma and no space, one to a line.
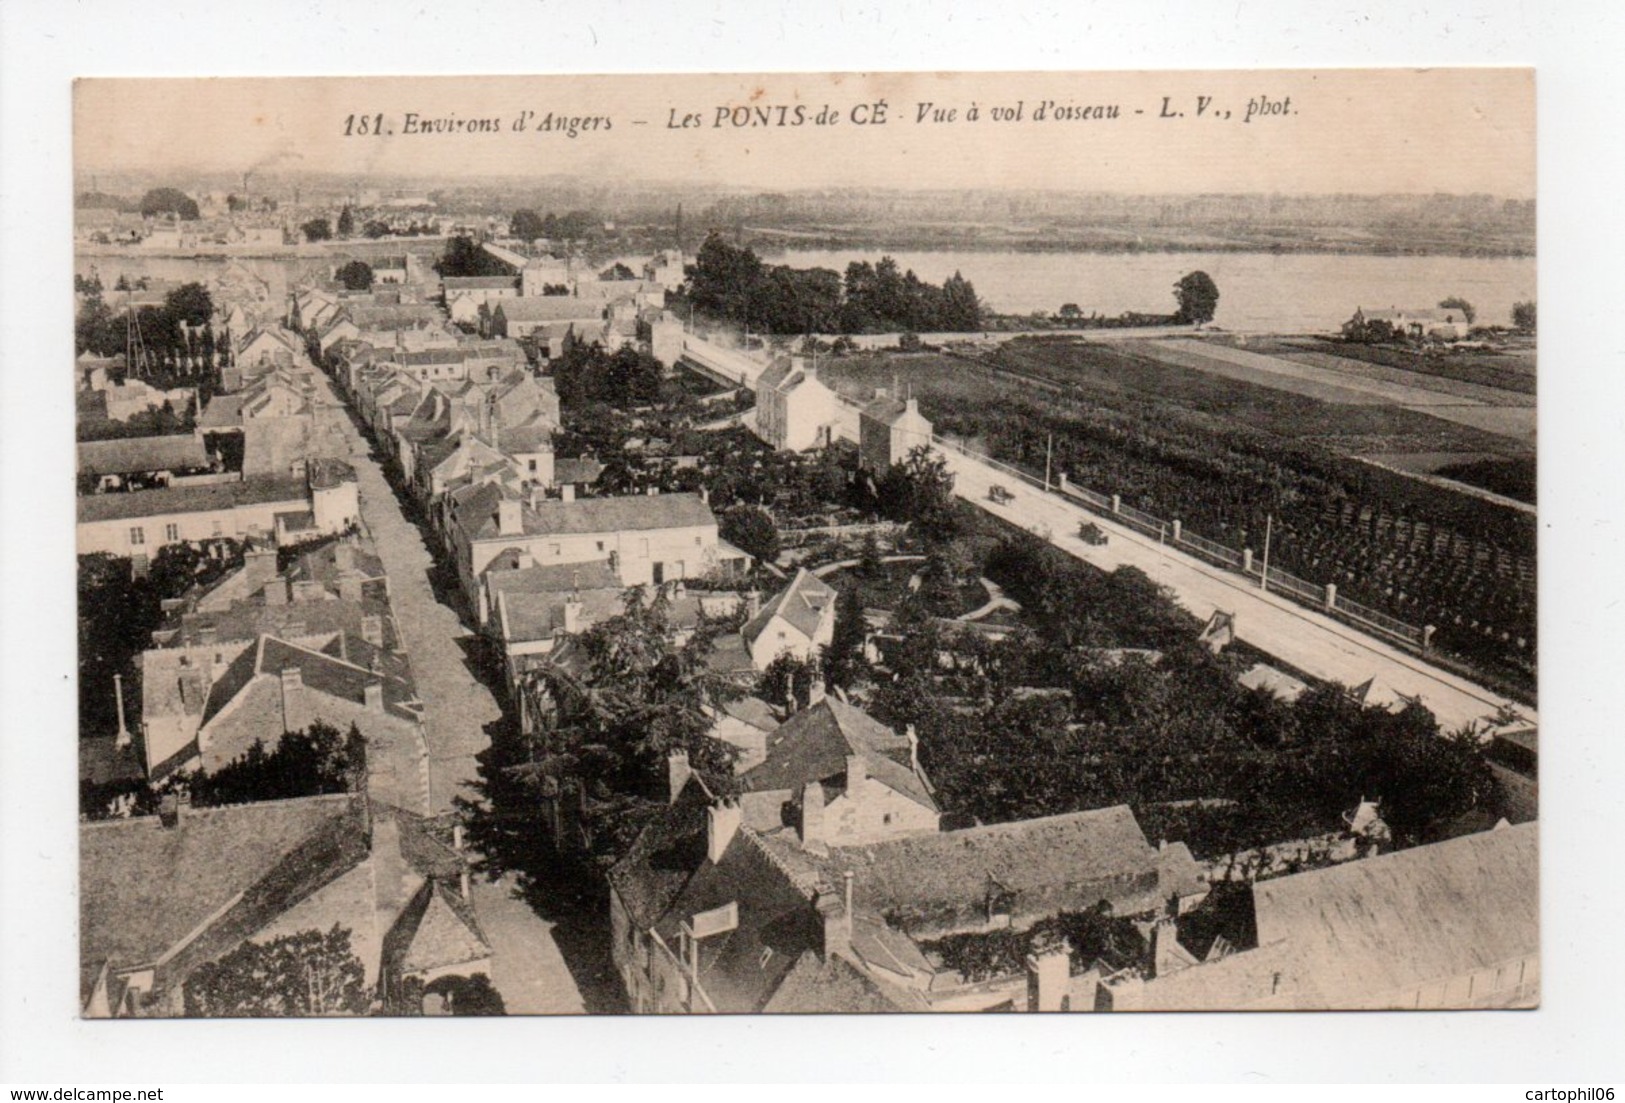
(888,430)
(162,896)
(795,411)
(840,777)
(798,621)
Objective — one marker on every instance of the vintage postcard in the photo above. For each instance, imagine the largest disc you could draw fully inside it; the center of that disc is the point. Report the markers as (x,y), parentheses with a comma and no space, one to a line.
(806,543)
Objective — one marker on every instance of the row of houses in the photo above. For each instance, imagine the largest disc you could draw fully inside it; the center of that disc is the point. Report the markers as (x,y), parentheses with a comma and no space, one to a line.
(826,886)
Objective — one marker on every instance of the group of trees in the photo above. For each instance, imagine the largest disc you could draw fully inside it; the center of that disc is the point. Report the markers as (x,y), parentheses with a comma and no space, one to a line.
(733,283)
(169,201)
(355,276)
(178,337)
(320,759)
(465,257)
(527,225)
(586,374)
(303,974)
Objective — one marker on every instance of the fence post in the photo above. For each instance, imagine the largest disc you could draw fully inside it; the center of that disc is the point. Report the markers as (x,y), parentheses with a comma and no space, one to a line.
(1061,479)
(1176,532)
(1117,503)
(1427,636)
(1331,595)
(1246,560)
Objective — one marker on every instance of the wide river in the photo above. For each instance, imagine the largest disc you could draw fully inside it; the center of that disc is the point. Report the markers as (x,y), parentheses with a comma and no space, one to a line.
(1296,292)
(1293,292)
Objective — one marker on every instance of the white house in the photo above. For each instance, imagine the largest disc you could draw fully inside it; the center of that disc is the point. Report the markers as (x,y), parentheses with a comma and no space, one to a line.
(797,622)
(794,409)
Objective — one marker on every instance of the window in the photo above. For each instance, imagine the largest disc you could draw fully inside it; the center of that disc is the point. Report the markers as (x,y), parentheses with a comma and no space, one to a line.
(218,530)
(172,532)
(554,550)
(600,545)
(886,819)
(138,536)
(533,466)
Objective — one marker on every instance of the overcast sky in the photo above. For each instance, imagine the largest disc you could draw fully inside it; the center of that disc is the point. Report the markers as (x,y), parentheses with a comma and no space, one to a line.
(1362,131)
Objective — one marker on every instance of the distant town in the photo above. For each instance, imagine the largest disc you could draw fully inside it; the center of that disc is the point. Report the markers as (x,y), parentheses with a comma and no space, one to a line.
(592,607)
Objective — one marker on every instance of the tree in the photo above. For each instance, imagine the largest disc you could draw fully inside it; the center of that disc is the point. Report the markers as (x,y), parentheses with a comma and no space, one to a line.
(1456,302)
(845,663)
(375,229)
(920,490)
(317,229)
(751,529)
(162,201)
(357,275)
(305,763)
(190,303)
(464,257)
(346,227)
(309,973)
(527,225)
(789,681)
(1198,298)
(1523,316)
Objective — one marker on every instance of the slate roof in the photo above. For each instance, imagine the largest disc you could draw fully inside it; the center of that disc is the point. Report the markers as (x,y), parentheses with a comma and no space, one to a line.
(829,985)
(478,283)
(322,672)
(887,411)
(526,438)
(549,308)
(803,603)
(1365,930)
(753,711)
(528,616)
(224,411)
(552,578)
(209,882)
(633,513)
(326,472)
(937,884)
(813,744)
(443,931)
(137,454)
(583,471)
(162,501)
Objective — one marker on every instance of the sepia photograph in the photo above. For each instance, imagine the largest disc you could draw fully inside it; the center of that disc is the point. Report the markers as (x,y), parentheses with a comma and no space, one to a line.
(825,543)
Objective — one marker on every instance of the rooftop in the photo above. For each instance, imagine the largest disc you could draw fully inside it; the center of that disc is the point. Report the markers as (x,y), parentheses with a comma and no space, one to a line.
(163,501)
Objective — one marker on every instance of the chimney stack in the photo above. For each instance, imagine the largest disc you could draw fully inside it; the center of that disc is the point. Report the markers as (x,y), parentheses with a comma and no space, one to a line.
(836,915)
(572,615)
(510,517)
(677,774)
(372,630)
(293,692)
(373,694)
(857,772)
(722,822)
(913,748)
(812,818)
(1049,975)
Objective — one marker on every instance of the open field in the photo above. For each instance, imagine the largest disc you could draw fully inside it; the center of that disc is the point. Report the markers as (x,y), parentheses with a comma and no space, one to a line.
(1510,371)
(1442,384)
(1224,456)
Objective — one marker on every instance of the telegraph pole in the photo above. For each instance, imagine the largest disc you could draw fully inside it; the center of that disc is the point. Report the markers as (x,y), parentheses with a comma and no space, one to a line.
(1049,449)
(1264,577)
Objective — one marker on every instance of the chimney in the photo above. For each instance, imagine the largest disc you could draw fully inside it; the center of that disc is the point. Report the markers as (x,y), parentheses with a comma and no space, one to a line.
(293,687)
(913,748)
(193,687)
(913,405)
(572,615)
(372,630)
(857,772)
(373,694)
(1049,975)
(124,738)
(812,818)
(457,837)
(259,567)
(721,824)
(753,605)
(705,495)
(880,394)
(677,774)
(344,555)
(836,914)
(510,517)
(169,810)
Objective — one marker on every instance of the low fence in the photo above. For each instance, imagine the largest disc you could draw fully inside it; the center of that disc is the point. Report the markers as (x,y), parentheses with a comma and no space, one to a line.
(1324,598)
(794,538)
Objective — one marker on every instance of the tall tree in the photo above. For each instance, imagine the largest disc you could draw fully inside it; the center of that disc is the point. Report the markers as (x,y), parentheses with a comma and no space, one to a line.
(527,225)
(346,226)
(845,663)
(317,229)
(356,275)
(1198,298)
(190,303)
(162,201)
(751,529)
(309,973)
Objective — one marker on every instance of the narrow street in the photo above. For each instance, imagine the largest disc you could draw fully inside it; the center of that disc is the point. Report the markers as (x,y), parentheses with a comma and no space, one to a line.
(460,717)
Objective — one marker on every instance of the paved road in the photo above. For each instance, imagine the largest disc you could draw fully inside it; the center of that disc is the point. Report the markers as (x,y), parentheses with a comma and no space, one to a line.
(527,966)
(458,708)
(1316,644)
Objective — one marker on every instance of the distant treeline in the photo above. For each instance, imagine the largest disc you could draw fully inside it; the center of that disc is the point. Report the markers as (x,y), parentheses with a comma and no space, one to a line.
(734,284)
